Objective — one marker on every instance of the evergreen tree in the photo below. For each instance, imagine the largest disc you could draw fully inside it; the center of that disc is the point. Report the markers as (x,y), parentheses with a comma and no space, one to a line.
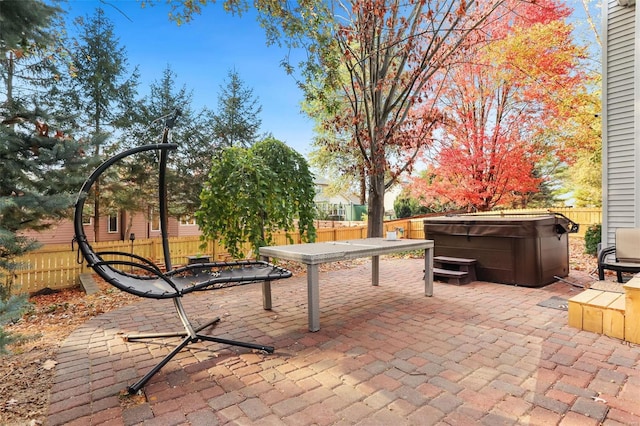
(189,166)
(10,310)
(102,89)
(26,38)
(236,122)
(407,206)
(39,161)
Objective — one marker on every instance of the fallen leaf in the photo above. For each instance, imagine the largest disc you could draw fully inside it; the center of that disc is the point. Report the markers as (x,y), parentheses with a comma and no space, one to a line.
(49,364)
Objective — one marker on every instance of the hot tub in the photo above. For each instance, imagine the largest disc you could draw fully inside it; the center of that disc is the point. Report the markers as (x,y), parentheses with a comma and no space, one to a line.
(528,251)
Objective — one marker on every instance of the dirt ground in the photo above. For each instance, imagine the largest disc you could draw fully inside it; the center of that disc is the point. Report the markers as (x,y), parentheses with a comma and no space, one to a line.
(26,374)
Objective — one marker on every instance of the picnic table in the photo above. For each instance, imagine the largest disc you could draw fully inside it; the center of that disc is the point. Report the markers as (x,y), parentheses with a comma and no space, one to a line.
(314,254)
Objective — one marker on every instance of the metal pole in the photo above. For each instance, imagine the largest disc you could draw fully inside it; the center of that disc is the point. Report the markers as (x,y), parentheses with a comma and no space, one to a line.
(162,192)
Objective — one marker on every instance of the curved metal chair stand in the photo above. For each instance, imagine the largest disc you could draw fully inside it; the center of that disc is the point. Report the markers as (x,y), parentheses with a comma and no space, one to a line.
(141,277)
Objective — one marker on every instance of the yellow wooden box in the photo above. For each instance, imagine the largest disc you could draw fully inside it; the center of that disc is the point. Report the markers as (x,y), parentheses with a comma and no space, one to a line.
(593,312)
(576,304)
(632,310)
(613,319)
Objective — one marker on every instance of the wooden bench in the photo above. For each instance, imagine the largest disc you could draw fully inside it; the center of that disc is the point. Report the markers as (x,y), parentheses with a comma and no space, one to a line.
(454,270)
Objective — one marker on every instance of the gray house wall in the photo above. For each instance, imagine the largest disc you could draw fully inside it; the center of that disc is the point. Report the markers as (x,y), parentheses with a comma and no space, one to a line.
(620,119)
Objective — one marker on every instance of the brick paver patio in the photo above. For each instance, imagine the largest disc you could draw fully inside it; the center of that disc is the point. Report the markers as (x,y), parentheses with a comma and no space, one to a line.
(477,354)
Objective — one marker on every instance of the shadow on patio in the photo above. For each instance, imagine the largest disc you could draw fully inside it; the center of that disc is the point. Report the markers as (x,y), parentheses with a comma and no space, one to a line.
(479,353)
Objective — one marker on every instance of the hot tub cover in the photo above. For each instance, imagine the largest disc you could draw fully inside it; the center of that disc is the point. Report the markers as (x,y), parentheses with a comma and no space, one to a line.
(527,250)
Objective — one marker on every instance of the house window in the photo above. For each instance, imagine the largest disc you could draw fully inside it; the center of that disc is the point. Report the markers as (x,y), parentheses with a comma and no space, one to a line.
(86,219)
(187,220)
(154,220)
(112,225)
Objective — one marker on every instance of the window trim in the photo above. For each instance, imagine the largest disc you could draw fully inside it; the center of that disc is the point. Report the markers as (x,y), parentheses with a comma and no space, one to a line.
(154,218)
(187,220)
(110,221)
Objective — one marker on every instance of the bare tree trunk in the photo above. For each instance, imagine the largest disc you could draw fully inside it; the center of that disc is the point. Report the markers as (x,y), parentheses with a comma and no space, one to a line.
(96,212)
(592,24)
(375,220)
(363,185)
(96,201)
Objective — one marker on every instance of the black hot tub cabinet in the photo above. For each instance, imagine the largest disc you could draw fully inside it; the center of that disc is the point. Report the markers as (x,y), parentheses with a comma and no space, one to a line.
(521,250)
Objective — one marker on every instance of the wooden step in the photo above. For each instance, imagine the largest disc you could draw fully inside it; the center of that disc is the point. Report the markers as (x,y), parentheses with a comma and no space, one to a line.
(452,277)
(457,264)
(449,273)
(454,260)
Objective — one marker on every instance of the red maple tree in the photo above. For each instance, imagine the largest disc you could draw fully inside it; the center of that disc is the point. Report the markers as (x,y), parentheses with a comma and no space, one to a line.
(503,103)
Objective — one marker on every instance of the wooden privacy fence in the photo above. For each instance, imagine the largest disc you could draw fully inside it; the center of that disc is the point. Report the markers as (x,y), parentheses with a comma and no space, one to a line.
(56,266)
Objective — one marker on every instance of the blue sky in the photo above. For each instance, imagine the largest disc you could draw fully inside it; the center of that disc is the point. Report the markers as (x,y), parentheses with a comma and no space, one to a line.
(201,54)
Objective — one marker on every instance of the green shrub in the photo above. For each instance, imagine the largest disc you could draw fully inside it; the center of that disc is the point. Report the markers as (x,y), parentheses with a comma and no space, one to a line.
(592,238)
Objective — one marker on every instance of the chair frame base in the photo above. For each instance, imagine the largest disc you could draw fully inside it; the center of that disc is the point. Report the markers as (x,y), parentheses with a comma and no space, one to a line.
(190,335)
(619,269)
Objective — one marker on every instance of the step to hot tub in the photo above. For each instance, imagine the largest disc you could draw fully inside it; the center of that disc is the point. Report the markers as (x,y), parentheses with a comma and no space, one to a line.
(601,312)
(608,312)
(454,270)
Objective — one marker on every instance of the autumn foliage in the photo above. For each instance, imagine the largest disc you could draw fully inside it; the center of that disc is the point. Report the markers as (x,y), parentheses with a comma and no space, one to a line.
(392,54)
(478,89)
(504,102)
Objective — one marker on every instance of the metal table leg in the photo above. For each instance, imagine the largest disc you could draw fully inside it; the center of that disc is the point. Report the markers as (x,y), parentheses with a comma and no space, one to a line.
(266,290)
(375,270)
(428,272)
(266,295)
(313,293)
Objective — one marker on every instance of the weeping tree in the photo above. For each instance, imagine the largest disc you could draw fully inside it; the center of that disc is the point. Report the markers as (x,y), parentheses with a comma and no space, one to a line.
(254,192)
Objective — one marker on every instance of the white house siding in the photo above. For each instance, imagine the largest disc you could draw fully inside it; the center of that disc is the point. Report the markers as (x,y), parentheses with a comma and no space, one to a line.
(621,152)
